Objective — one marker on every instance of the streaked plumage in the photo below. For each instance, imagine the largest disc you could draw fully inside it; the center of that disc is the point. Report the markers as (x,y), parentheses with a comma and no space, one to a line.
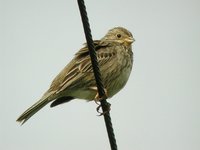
(76,80)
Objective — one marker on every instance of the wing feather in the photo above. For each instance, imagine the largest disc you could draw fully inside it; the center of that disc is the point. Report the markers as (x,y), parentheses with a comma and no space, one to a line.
(82,64)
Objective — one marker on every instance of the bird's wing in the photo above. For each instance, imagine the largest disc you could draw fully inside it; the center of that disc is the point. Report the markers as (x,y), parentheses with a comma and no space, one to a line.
(82,64)
(103,52)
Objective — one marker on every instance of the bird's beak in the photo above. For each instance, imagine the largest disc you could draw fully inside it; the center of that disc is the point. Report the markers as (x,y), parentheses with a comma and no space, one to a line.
(129,40)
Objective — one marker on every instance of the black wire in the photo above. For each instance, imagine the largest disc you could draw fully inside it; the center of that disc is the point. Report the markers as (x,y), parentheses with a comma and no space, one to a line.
(97,74)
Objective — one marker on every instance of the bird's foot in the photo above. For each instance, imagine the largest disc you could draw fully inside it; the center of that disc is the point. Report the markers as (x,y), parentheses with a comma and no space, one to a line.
(106,110)
(98,99)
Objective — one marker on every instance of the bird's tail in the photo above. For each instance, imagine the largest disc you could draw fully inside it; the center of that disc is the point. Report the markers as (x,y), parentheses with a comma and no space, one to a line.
(32,110)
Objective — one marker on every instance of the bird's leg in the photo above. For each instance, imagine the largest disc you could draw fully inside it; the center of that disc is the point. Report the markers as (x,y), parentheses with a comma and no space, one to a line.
(97,99)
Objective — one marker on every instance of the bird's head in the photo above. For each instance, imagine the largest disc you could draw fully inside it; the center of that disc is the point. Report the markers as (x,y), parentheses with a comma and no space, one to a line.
(119,35)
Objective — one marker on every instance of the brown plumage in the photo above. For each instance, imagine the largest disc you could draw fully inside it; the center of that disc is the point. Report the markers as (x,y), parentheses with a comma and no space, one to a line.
(76,80)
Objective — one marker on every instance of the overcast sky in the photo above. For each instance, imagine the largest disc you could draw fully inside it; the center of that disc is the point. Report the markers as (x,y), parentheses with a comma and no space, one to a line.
(159,109)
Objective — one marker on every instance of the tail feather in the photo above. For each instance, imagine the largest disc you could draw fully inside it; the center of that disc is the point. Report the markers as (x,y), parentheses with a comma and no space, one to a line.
(32,110)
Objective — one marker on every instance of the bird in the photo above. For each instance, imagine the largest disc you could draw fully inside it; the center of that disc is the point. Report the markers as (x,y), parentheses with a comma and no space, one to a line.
(76,81)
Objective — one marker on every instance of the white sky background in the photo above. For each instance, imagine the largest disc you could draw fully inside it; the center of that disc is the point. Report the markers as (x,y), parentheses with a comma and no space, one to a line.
(159,109)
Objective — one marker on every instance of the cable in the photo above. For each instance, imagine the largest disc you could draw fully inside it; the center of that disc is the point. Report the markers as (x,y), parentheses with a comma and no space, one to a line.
(104,104)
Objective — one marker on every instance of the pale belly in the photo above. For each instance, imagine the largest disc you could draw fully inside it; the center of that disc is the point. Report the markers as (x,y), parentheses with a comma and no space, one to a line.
(119,83)
(113,88)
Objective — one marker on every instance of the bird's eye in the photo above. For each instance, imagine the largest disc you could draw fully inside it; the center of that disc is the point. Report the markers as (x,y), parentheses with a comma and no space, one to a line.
(119,35)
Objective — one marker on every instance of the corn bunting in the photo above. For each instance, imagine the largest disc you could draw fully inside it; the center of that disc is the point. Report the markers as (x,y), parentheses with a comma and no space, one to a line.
(76,80)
